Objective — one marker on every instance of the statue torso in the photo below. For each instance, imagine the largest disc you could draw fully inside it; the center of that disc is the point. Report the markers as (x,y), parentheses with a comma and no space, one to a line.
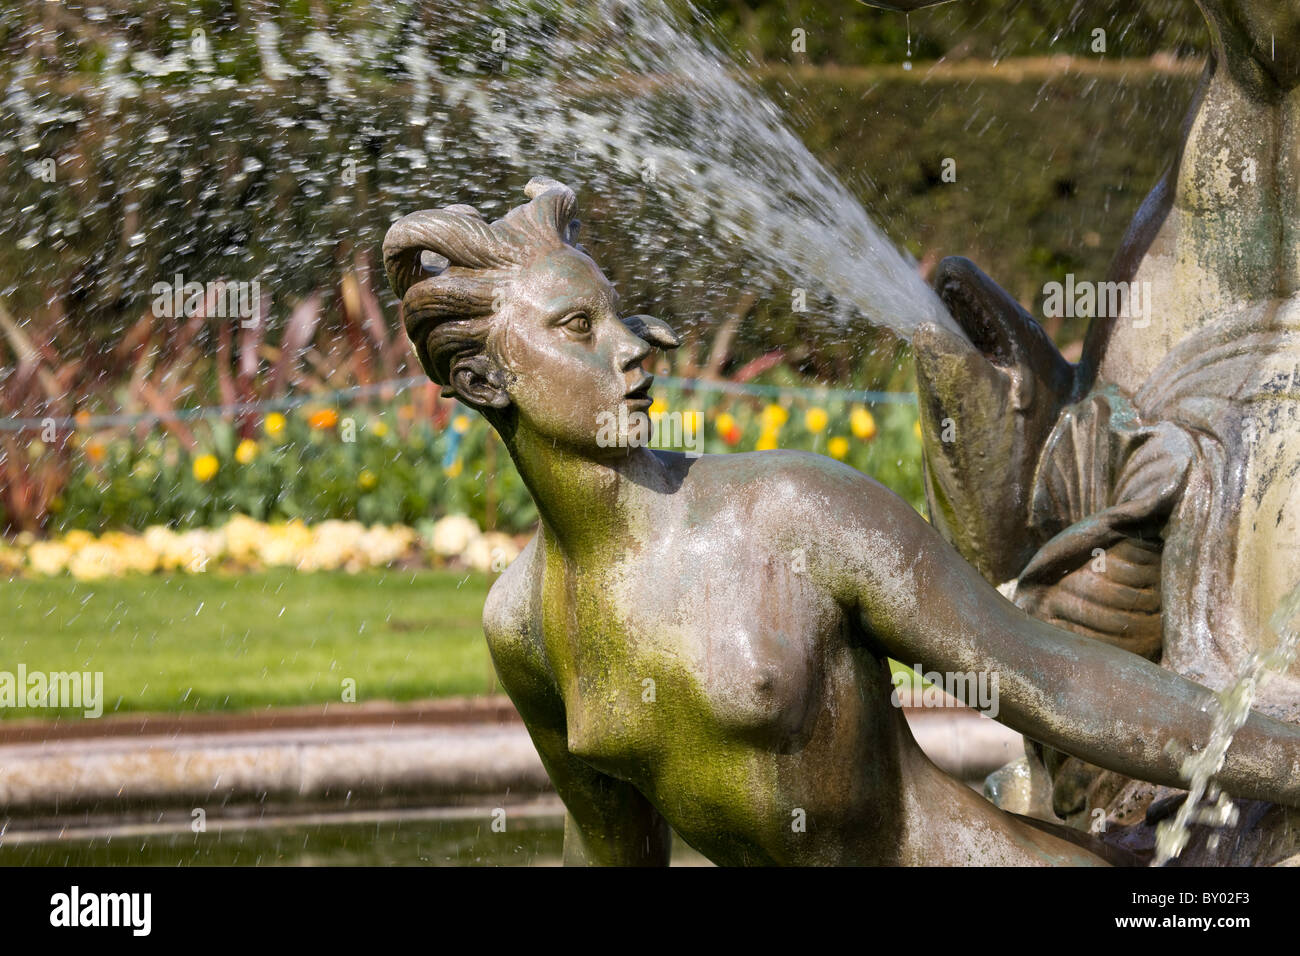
(723,683)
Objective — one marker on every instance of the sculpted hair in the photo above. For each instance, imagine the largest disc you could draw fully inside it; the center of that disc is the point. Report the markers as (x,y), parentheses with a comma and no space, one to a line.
(449,303)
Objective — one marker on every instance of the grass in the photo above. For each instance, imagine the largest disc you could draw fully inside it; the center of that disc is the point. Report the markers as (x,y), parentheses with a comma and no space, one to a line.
(206,643)
(217,643)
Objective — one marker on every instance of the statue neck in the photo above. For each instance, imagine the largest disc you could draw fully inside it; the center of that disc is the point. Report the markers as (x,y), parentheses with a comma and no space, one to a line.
(588,506)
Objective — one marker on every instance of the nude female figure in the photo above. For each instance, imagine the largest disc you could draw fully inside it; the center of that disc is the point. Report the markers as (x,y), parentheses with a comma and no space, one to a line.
(652,571)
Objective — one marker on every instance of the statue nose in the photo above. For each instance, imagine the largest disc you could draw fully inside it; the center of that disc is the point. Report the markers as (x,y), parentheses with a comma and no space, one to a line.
(655,331)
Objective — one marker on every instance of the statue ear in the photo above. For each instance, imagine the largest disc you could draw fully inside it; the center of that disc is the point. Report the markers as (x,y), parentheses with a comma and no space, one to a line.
(476,379)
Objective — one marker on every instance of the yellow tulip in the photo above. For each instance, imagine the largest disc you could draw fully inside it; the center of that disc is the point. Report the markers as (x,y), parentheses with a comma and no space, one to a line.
(816,420)
(460,424)
(274,425)
(724,423)
(692,423)
(838,447)
(658,407)
(767,440)
(205,467)
(774,416)
(380,429)
(367,479)
(454,469)
(863,424)
(78,538)
(246,452)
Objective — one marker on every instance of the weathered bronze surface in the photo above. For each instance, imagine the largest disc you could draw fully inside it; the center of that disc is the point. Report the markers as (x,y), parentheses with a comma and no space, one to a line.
(700,642)
(1147,497)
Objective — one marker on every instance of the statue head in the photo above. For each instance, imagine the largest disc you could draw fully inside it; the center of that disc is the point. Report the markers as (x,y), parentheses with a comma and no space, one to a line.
(516,320)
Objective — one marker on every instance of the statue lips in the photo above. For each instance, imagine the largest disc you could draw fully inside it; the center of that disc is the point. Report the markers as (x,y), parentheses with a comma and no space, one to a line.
(639,395)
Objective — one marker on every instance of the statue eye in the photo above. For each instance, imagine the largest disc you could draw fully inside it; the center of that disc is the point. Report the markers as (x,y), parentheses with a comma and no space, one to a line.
(579,323)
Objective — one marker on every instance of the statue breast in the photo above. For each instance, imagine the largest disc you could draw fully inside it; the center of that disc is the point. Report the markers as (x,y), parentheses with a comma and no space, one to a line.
(739,654)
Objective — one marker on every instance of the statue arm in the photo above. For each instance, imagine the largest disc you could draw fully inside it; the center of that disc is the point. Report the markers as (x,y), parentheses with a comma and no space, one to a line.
(606,822)
(919,601)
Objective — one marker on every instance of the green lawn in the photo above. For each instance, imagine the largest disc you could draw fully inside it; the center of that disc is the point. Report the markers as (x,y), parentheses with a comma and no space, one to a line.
(244,642)
(213,643)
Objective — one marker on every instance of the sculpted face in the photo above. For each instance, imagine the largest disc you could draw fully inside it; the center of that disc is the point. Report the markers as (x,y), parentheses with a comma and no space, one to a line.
(571,363)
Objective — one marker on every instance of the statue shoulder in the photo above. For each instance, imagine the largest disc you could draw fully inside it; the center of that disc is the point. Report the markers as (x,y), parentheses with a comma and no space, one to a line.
(511,623)
(777,472)
(507,610)
(812,489)
(795,497)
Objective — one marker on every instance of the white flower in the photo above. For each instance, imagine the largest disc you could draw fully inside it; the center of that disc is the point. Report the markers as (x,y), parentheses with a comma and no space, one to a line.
(492,552)
(453,535)
(381,546)
(333,544)
(95,561)
(244,537)
(48,557)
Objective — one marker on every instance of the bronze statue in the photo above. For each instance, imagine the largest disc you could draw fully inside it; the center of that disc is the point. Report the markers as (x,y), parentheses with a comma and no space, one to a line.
(1147,497)
(700,643)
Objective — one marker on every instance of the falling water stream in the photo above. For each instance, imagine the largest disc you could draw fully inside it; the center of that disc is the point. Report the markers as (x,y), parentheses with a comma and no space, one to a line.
(729,160)
(1205,803)
(634,102)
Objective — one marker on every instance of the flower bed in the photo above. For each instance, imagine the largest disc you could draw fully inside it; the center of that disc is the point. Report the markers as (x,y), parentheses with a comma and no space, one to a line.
(245,544)
(320,487)
(400,464)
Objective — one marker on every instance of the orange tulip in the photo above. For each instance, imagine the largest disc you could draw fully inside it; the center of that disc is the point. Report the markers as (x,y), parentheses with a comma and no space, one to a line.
(323,419)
